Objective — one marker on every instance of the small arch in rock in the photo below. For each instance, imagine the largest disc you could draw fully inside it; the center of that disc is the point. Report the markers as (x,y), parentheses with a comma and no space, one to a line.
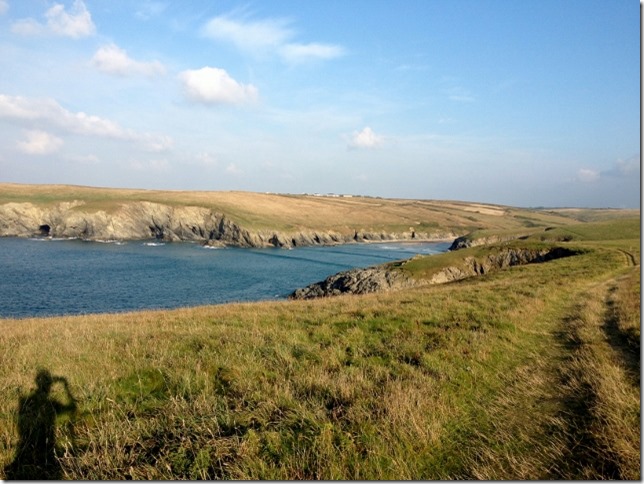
(44,230)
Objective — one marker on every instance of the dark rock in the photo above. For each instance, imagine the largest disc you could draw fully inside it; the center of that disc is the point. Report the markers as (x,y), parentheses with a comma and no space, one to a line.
(356,281)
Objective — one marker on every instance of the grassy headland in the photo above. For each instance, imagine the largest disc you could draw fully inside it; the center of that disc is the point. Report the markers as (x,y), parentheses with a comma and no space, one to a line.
(526,373)
(264,211)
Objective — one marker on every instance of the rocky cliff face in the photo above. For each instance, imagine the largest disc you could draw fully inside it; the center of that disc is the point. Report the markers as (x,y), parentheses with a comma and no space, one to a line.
(502,259)
(466,241)
(356,281)
(389,277)
(144,220)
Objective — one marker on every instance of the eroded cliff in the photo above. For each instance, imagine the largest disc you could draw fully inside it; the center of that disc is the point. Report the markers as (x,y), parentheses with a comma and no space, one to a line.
(145,220)
(394,276)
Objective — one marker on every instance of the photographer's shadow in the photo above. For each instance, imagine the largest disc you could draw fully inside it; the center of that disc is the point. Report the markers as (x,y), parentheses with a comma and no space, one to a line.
(36,453)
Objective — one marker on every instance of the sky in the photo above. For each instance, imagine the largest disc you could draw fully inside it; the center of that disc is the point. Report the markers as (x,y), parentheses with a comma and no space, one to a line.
(499,101)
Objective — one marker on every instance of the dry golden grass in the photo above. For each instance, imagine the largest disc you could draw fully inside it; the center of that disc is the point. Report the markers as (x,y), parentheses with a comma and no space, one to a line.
(302,212)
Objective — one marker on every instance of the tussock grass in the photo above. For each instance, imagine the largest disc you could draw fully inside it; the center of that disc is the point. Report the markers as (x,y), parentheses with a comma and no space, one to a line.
(477,379)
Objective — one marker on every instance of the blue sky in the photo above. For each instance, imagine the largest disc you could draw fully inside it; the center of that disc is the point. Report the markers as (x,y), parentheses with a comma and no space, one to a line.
(500,101)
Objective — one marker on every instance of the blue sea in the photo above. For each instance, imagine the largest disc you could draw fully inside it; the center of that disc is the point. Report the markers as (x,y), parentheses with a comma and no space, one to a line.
(45,277)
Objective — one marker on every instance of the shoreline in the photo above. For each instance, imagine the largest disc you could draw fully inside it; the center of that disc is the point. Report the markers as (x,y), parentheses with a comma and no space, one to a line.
(205,243)
(277,296)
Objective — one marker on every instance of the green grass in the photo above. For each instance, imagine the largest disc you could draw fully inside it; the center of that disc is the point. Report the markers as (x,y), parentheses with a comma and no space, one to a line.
(469,380)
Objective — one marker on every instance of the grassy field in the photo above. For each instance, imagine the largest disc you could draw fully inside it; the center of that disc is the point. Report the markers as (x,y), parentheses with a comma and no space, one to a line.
(527,373)
(259,211)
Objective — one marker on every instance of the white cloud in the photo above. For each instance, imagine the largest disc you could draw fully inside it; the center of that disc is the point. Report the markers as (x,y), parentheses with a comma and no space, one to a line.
(50,114)
(365,139)
(76,23)
(28,27)
(39,143)
(627,167)
(268,36)
(205,159)
(250,36)
(296,53)
(214,86)
(587,175)
(233,169)
(4,6)
(111,59)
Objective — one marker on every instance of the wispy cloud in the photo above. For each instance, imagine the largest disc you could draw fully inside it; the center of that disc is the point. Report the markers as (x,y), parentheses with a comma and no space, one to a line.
(270,36)
(149,9)
(587,175)
(621,168)
(48,114)
(39,143)
(233,169)
(76,23)
(4,6)
(113,60)
(252,36)
(460,94)
(205,158)
(365,139)
(83,159)
(298,53)
(212,85)
(154,165)
(629,167)
(412,67)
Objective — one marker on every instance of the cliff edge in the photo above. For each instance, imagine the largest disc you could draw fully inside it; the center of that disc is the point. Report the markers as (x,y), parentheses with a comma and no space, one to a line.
(400,275)
(144,220)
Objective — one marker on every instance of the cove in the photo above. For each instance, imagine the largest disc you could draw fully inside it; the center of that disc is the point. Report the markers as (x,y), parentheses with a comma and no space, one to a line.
(48,277)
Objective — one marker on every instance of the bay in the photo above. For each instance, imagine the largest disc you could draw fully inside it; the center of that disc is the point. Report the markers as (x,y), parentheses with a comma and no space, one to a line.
(45,277)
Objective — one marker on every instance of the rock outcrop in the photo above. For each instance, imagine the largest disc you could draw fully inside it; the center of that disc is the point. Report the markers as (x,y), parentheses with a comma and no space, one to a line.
(494,261)
(390,276)
(356,281)
(145,220)
(466,241)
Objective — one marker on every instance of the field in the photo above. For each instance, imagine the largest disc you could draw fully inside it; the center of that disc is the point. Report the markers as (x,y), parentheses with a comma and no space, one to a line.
(532,372)
(262,211)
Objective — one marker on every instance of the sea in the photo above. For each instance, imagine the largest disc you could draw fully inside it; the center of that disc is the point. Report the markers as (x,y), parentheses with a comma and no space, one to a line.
(48,277)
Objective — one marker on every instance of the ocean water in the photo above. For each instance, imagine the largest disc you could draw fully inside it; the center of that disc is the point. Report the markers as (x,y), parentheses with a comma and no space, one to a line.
(44,277)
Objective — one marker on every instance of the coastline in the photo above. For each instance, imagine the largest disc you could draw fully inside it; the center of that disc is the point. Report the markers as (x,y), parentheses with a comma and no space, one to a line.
(143,275)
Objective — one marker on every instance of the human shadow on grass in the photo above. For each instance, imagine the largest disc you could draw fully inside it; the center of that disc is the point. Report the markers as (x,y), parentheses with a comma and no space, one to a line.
(35,456)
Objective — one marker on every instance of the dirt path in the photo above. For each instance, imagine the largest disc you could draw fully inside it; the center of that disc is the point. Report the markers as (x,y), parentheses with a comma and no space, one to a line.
(630,257)
(571,410)
(600,384)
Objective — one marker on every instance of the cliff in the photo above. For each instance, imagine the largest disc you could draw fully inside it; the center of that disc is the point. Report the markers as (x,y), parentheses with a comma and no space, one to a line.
(467,241)
(143,220)
(394,276)
(356,281)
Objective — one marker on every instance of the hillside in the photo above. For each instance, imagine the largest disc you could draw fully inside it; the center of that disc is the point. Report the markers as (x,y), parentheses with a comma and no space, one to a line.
(523,372)
(248,219)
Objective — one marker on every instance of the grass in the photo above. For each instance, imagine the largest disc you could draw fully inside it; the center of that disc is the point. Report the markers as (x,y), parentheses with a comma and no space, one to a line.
(526,373)
(291,213)
(620,228)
